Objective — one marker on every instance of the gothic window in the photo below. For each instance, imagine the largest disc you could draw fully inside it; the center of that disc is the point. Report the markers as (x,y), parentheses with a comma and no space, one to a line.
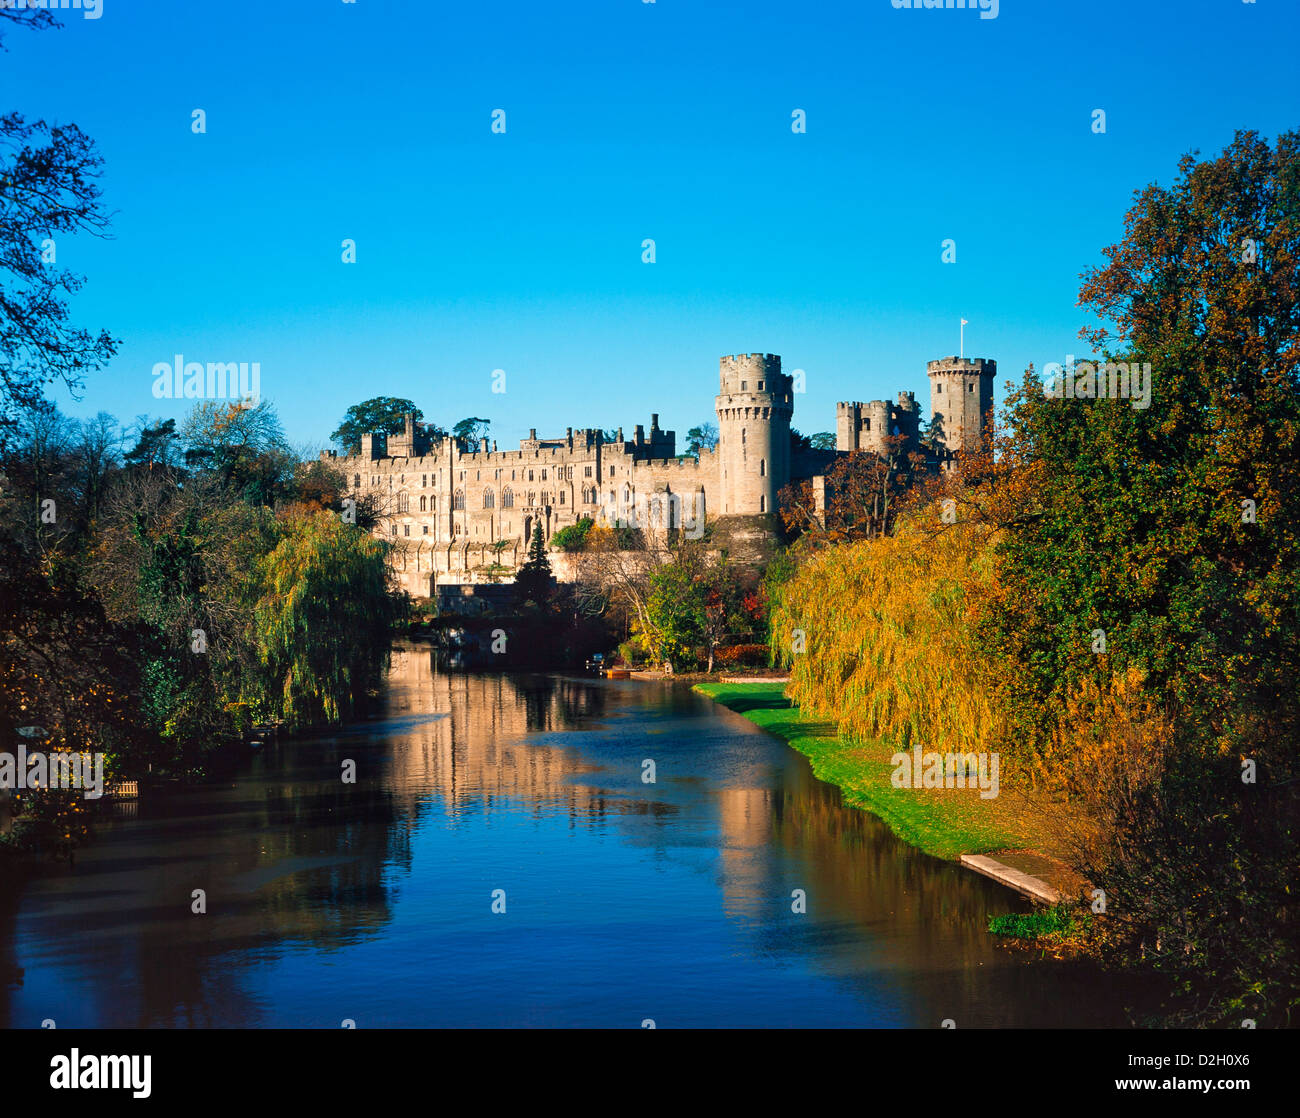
(489,500)
(532,498)
(508,498)
(424,504)
(433,503)
(543,475)
(561,496)
(458,499)
(456,528)
(403,502)
(394,529)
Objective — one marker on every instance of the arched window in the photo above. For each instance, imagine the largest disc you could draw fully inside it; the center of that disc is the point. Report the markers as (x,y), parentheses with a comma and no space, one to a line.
(458,499)
(507,498)
(532,499)
(424,502)
(489,499)
(403,502)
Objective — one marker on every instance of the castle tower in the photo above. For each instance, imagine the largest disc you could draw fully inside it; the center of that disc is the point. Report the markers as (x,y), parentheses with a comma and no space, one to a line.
(754,405)
(961,401)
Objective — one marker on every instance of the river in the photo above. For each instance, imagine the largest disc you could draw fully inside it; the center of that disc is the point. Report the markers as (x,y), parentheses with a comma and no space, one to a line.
(624,901)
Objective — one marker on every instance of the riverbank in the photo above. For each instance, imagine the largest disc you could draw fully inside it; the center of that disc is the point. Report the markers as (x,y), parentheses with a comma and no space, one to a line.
(1024,835)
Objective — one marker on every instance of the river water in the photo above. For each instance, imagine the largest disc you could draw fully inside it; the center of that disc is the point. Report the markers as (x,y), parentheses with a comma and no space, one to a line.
(624,901)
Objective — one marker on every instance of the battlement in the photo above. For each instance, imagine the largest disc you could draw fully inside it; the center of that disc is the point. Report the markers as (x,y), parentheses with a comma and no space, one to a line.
(751,372)
(984,366)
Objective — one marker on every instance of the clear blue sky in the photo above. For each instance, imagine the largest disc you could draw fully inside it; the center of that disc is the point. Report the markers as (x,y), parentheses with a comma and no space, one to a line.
(625,120)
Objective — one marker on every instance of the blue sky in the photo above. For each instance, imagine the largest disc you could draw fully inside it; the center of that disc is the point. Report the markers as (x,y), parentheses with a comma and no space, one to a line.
(625,121)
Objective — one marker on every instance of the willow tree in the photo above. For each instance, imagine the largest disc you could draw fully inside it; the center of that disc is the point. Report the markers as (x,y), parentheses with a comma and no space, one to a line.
(323,620)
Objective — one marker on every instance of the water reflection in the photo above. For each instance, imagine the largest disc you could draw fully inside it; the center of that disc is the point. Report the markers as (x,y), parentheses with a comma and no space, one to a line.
(626,899)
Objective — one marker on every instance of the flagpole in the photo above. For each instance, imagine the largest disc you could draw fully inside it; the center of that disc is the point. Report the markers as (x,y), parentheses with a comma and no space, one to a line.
(963,338)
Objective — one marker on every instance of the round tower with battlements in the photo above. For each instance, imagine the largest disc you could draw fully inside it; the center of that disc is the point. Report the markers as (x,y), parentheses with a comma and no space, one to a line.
(961,402)
(754,405)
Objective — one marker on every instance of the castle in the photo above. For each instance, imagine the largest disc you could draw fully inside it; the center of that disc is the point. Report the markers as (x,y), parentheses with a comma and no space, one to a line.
(454,512)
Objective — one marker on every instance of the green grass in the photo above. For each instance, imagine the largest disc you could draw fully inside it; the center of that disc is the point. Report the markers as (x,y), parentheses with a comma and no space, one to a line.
(1057,920)
(945,823)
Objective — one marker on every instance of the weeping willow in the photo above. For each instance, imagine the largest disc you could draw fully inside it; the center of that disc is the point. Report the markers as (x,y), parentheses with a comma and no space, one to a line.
(885,629)
(322,620)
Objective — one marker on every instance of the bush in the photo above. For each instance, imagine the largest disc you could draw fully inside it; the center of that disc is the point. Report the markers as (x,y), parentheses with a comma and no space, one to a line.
(748,655)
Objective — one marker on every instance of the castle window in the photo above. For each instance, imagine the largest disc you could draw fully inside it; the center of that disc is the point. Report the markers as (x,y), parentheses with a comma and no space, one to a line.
(938,388)
(512,475)
(426,529)
(970,387)
(543,475)
(586,471)
(561,496)
(356,481)
(611,471)
(406,529)
(394,529)
(762,504)
(462,475)
(403,502)
(424,481)
(433,501)
(762,467)
(489,500)
(866,425)
(458,499)
(478,475)
(744,387)
(423,504)
(742,435)
(530,475)
(507,498)
(456,529)
(760,386)
(532,498)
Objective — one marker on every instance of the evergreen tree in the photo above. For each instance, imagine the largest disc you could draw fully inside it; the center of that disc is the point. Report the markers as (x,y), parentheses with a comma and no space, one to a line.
(535,581)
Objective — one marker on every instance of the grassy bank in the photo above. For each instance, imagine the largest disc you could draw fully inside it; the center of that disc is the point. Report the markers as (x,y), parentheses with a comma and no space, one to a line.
(943,822)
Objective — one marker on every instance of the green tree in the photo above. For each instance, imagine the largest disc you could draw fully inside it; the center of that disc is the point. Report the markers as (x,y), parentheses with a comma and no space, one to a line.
(1158,545)
(822,440)
(535,582)
(385,414)
(323,620)
(472,432)
(574,536)
(703,437)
